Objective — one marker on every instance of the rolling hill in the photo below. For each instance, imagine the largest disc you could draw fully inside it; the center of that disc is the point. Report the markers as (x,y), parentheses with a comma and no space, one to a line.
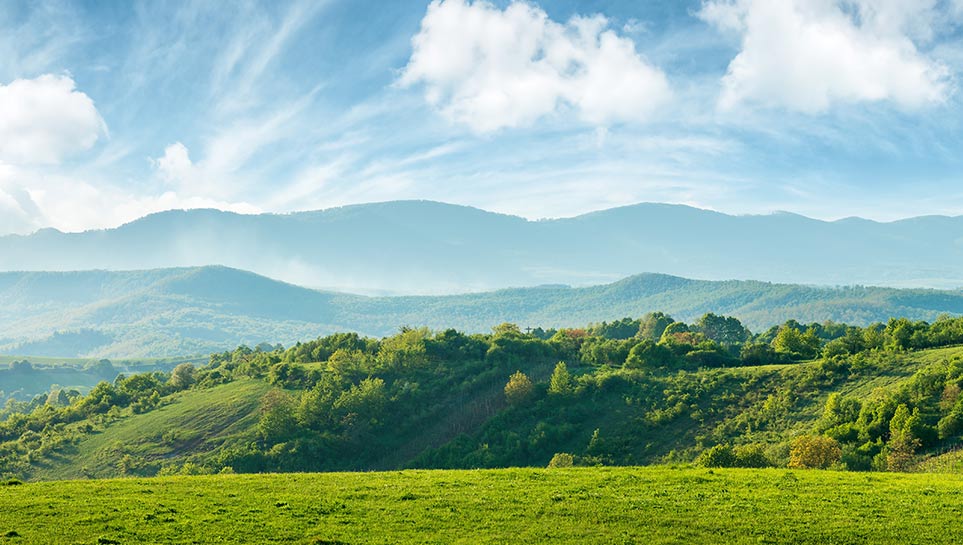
(423,247)
(173,312)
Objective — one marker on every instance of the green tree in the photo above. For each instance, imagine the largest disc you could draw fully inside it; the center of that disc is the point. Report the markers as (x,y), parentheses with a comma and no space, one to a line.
(506,329)
(518,389)
(649,355)
(561,381)
(795,344)
(653,325)
(814,452)
(722,329)
(182,377)
(277,422)
(404,350)
(903,442)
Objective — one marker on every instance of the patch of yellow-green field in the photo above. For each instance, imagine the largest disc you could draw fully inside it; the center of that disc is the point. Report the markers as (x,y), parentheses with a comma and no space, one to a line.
(195,421)
(948,462)
(579,505)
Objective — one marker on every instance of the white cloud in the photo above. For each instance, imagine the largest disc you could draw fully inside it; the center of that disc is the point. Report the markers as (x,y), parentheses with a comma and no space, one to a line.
(175,165)
(806,55)
(32,198)
(491,68)
(45,119)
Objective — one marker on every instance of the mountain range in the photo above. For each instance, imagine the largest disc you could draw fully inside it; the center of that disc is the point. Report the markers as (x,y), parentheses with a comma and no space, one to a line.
(424,247)
(188,311)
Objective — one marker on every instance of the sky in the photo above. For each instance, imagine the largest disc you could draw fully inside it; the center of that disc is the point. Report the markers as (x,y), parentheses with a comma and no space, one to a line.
(829,108)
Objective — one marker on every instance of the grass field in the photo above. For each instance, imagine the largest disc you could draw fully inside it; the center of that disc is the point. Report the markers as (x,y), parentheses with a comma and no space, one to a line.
(580,505)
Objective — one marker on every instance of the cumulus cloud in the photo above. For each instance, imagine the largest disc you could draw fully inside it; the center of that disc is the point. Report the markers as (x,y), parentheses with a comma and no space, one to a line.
(45,119)
(490,68)
(806,55)
(175,166)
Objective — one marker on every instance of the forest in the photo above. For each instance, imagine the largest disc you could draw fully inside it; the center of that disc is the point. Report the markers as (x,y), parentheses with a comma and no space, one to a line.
(651,390)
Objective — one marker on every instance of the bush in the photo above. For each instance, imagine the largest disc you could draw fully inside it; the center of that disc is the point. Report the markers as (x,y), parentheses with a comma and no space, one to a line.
(562,459)
(752,455)
(814,452)
(717,456)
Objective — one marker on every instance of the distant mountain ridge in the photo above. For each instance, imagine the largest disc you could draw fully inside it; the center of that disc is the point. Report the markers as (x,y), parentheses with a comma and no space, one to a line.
(425,247)
(187,311)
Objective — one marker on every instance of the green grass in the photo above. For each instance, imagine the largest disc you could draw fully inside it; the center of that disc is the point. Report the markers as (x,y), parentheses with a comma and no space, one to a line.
(947,462)
(581,505)
(195,421)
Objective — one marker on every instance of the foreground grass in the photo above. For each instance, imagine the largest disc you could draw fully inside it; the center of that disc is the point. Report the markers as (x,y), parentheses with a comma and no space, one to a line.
(582,505)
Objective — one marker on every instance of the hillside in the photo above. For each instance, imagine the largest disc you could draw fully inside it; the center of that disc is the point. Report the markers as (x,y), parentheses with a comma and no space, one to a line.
(173,312)
(885,398)
(582,505)
(420,247)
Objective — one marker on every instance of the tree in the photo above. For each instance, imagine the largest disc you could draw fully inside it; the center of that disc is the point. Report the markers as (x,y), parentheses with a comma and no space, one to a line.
(182,376)
(839,410)
(405,350)
(561,382)
(795,344)
(507,329)
(903,442)
(277,422)
(814,452)
(518,389)
(722,329)
(648,354)
(626,328)
(653,325)
(672,330)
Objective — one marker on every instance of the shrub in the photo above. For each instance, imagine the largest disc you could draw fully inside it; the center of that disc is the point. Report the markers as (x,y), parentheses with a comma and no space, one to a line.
(562,459)
(717,456)
(814,452)
(752,455)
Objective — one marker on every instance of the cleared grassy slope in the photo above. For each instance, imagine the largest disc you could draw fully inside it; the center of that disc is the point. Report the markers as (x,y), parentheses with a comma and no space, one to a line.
(195,421)
(582,505)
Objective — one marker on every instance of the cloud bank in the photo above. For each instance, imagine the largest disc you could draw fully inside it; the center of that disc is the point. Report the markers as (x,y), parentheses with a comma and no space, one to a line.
(490,68)
(806,55)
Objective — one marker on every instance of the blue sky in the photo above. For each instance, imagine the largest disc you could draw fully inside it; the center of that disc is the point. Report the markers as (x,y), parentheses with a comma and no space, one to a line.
(828,108)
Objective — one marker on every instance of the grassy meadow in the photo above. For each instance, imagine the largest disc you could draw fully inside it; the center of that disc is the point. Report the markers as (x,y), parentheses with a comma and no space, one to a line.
(577,505)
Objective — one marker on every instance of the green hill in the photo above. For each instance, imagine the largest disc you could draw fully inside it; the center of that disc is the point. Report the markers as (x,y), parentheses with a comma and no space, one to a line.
(420,399)
(189,423)
(176,312)
(581,505)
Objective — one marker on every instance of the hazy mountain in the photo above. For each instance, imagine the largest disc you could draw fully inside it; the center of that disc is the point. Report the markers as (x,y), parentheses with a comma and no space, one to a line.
(197,310)
(419,247)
